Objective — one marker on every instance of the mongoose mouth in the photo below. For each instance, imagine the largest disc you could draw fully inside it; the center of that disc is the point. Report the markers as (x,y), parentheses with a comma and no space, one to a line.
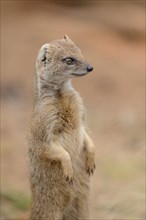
(89,69)
(80,74)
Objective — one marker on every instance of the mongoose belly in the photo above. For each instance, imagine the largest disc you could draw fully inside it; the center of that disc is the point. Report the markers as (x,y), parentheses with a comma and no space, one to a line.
(50,188)
(47,179)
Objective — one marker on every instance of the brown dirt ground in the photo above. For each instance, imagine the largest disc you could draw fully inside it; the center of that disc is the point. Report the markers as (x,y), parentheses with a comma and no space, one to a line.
(111,36)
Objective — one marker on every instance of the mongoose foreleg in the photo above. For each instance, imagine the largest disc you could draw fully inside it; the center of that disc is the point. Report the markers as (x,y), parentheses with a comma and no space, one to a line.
(56,152)
(90,154)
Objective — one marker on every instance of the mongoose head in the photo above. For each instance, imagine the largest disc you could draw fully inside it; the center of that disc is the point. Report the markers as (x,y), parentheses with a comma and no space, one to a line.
(59,61)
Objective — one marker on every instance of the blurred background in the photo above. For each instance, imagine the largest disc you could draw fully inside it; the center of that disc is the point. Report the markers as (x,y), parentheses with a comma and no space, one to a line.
(111,35)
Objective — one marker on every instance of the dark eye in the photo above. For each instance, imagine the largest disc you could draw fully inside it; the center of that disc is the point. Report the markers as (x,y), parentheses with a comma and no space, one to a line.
(69,61)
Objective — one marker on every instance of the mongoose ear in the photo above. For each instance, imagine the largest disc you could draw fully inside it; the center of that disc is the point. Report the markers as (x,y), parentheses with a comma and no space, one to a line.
(67,38)
(42,52)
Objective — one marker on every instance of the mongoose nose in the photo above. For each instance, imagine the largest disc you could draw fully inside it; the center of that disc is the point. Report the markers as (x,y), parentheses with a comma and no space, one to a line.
(89,68)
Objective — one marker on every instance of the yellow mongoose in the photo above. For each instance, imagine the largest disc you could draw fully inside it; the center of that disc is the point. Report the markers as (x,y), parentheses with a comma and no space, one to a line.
(61,154)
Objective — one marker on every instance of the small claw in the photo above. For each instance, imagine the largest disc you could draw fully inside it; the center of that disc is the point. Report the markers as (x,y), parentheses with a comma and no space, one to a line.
(90,170)
(69,180)
(87,170)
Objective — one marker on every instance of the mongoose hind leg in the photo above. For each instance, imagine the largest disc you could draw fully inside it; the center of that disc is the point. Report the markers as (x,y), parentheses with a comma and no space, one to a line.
(77,211)
(53,214)
(71,212)
(82,208)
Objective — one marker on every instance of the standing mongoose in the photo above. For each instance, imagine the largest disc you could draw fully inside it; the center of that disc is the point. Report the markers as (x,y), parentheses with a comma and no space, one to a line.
(61,154)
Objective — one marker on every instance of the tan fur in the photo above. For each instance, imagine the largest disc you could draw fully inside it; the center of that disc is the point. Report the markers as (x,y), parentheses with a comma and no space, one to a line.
(61,154)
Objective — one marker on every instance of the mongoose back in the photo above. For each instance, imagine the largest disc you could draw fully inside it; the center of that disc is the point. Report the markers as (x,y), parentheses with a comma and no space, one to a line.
(61,154)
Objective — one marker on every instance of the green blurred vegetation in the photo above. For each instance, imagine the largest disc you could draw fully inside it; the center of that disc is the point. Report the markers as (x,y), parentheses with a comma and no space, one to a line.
(14,204)
(18,199)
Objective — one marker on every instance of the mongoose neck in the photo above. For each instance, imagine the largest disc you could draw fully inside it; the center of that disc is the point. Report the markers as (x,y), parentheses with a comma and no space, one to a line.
(46,89)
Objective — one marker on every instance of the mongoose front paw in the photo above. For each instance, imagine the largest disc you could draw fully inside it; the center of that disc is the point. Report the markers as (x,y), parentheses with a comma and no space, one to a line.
(69,180)
(68,173)
(90,167)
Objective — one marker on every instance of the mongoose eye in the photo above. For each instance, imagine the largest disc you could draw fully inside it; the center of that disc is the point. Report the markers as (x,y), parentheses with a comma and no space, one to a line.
(69,61)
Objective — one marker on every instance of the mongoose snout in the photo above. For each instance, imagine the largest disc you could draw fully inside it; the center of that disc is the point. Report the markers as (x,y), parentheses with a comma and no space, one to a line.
(89,68)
